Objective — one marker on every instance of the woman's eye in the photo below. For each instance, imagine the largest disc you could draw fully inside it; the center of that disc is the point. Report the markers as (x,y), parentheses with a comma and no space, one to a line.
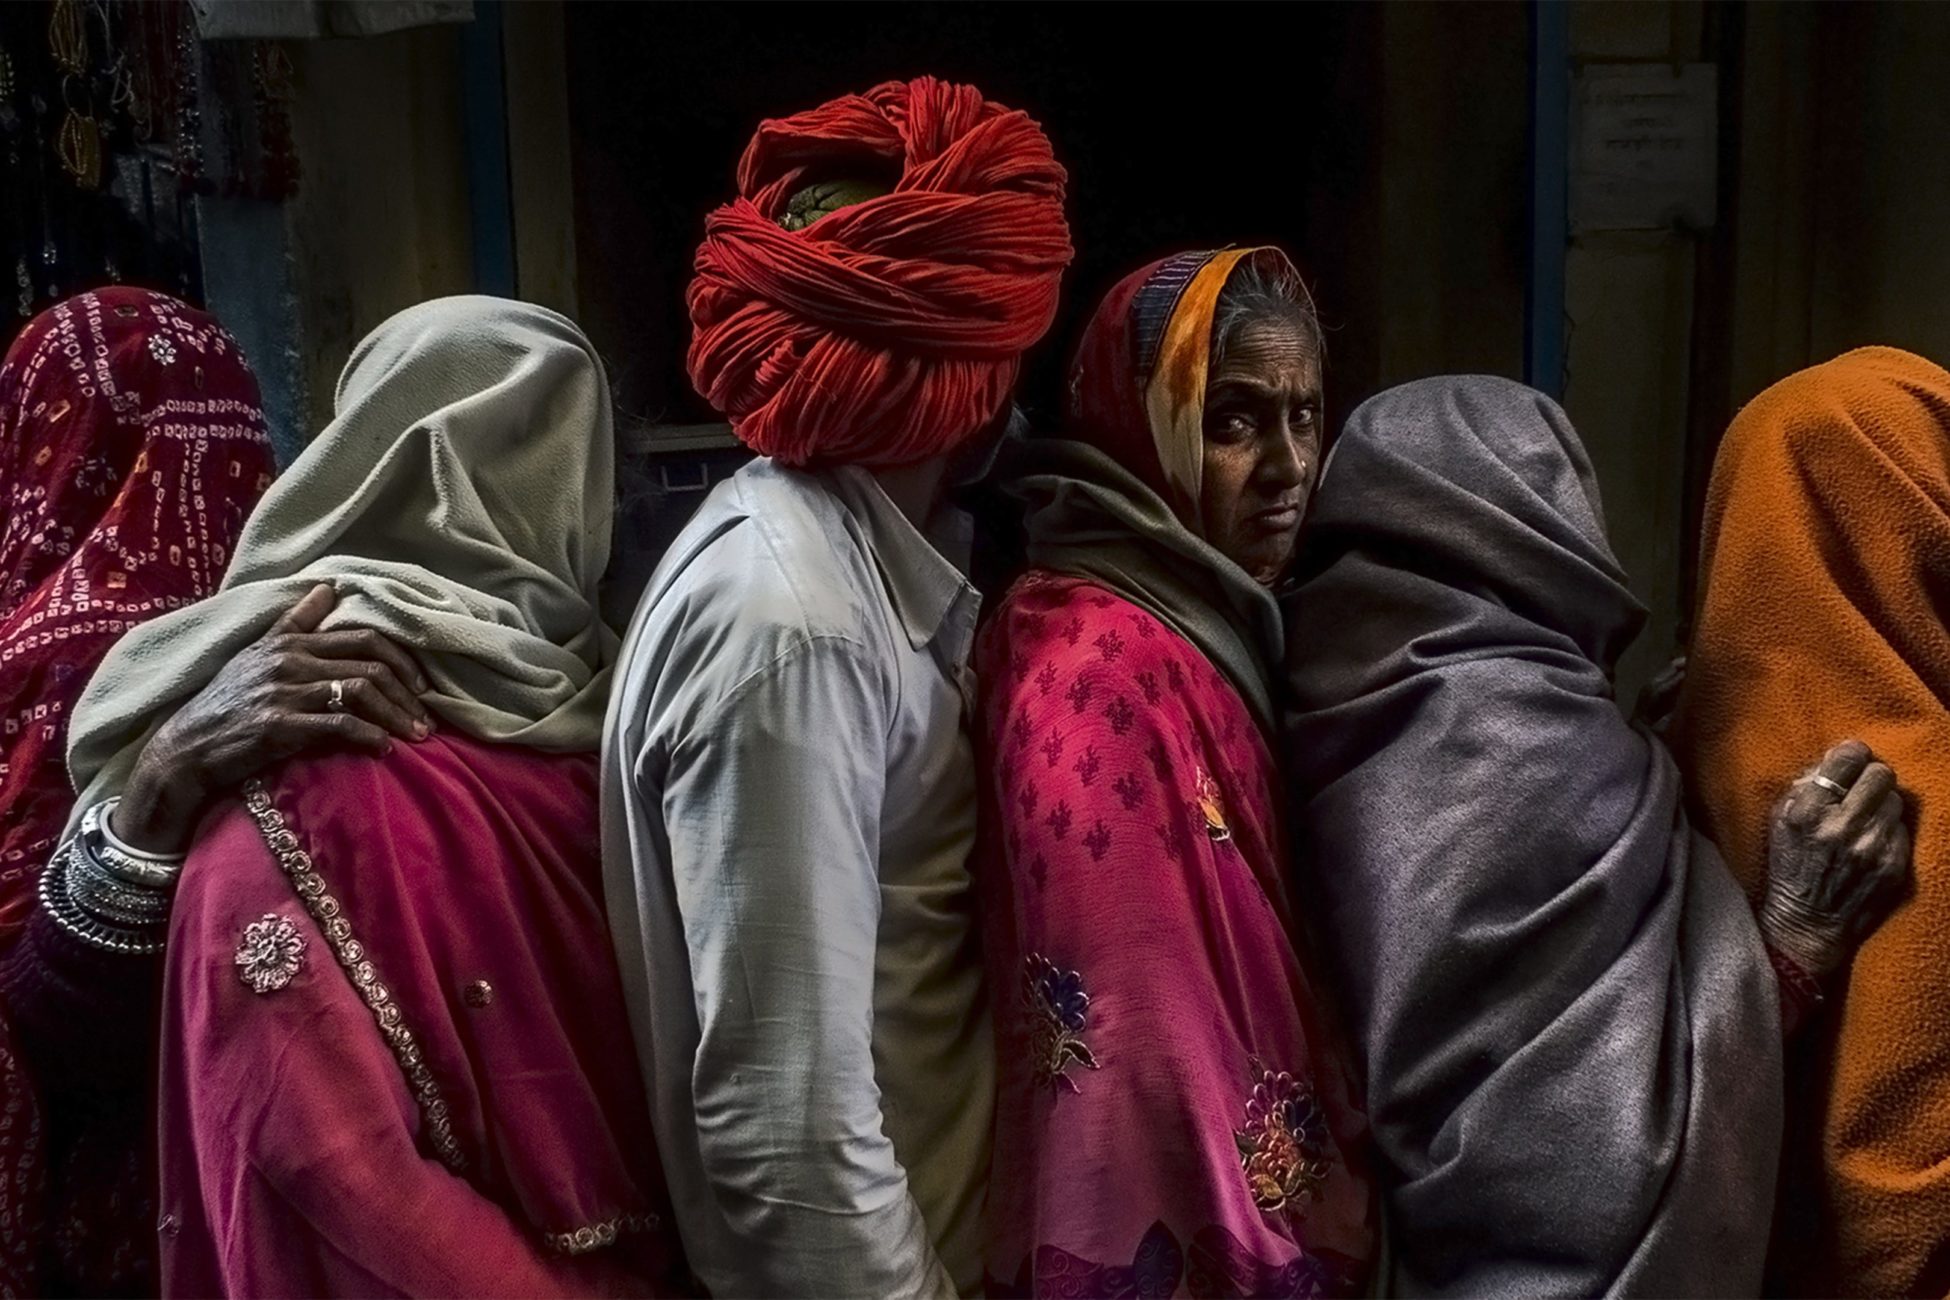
(1234,425)
(1304,417)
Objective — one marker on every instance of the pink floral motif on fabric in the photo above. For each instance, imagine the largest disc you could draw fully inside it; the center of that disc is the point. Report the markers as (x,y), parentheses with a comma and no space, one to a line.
(1175,1115)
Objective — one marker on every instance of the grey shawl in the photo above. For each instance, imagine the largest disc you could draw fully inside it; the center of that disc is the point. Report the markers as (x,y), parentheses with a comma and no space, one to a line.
(1568,1024)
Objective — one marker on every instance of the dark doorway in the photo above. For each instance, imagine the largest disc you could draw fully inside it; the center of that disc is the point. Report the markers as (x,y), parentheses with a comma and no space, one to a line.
(1180,126)
(1383,145)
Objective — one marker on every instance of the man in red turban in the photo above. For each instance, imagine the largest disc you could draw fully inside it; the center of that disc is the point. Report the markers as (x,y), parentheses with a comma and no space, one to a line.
(789,788)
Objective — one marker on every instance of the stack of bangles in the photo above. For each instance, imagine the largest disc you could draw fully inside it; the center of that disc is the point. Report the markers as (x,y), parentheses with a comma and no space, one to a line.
(107,894)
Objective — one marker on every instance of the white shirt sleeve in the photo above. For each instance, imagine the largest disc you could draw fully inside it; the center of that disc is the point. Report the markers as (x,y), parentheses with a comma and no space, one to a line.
(772,808)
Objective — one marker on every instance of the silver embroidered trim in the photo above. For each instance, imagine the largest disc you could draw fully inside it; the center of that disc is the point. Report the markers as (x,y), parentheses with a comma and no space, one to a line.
(351,954)
(270,953)
(595,1236)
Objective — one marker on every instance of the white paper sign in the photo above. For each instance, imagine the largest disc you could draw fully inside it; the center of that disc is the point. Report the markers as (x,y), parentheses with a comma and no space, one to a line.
(1646,146)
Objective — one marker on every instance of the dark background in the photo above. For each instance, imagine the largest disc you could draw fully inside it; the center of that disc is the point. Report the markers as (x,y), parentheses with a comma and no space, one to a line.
(1181,127)
(567,153)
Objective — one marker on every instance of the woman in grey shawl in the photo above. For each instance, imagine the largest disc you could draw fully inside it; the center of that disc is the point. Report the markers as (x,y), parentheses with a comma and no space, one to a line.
(1569,1019)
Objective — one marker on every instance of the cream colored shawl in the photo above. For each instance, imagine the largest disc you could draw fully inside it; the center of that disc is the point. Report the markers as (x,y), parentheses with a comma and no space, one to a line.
(459,502)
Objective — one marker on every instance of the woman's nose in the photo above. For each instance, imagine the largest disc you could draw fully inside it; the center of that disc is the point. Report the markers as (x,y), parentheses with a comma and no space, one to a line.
(1285,462)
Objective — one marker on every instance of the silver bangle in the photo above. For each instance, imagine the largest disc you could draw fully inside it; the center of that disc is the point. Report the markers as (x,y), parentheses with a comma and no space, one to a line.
(137,866)
(107,895)
(104,895)
(58,901)
(108,805)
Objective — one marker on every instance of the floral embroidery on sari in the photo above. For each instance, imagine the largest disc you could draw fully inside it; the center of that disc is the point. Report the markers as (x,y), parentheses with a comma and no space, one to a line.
(1138,807)
(270,953)
(1057,1008)
(1284,1148)
(297,866)
(1212,807)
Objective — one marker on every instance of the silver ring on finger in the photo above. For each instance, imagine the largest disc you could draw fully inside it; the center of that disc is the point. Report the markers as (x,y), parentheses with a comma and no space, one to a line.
(336,701)
(1829,784)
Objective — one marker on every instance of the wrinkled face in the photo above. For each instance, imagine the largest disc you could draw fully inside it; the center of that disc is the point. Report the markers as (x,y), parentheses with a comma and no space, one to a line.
(1262,445)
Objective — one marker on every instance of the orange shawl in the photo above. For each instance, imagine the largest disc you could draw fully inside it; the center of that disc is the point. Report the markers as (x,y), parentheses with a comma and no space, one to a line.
(1825,614)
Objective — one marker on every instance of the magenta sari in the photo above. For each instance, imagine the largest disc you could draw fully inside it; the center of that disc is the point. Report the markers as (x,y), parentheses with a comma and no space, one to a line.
(1172,1117)
(395,1059)
(1177,1115)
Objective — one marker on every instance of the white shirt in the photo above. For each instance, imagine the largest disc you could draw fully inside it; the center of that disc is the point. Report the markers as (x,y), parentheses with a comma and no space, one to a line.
(788,810)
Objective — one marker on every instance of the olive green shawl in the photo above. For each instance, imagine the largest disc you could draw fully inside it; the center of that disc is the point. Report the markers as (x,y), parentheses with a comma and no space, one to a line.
(1087,515)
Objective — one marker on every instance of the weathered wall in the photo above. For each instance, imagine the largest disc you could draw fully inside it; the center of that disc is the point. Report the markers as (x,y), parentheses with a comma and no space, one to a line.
(1832,239)
(1628,307)
(539,145)
(1775,225)
(1452,253)
(1847,141)
(1418,196)
(1841,200)
(381,218)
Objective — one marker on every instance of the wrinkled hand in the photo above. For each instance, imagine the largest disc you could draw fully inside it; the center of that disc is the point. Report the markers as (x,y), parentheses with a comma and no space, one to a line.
(270,702)
(1836,864)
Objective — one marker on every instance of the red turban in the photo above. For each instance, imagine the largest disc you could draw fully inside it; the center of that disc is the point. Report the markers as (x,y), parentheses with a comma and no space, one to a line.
(889,331)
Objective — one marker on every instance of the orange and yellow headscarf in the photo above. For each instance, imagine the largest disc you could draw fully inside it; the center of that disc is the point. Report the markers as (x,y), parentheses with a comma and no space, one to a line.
(1137,385)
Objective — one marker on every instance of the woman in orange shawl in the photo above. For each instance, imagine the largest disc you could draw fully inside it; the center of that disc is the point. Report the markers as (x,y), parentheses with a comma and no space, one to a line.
(1826,585)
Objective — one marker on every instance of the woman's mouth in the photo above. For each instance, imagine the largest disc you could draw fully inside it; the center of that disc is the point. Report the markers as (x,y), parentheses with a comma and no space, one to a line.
(1276,518)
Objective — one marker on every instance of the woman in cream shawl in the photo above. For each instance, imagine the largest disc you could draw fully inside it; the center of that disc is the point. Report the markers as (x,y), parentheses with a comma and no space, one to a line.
(389,1005)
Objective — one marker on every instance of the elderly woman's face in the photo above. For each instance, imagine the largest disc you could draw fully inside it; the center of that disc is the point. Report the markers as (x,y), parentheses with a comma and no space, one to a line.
(1262,445)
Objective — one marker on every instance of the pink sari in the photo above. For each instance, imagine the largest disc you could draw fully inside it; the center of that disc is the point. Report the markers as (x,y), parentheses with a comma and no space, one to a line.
(395,1060)
(1174,1117)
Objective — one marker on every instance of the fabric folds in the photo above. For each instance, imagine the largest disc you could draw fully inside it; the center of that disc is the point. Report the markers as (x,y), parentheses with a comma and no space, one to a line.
(891,330)
(390,1057)
(1567,1019)
(132,447)
(473,434)
(1825,584)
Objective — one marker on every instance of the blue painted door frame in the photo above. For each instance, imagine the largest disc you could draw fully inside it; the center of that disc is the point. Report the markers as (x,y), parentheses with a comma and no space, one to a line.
(490,198)
(1550,149)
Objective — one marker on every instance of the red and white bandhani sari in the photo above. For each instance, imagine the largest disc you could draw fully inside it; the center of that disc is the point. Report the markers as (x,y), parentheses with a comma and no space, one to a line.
(132,447)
